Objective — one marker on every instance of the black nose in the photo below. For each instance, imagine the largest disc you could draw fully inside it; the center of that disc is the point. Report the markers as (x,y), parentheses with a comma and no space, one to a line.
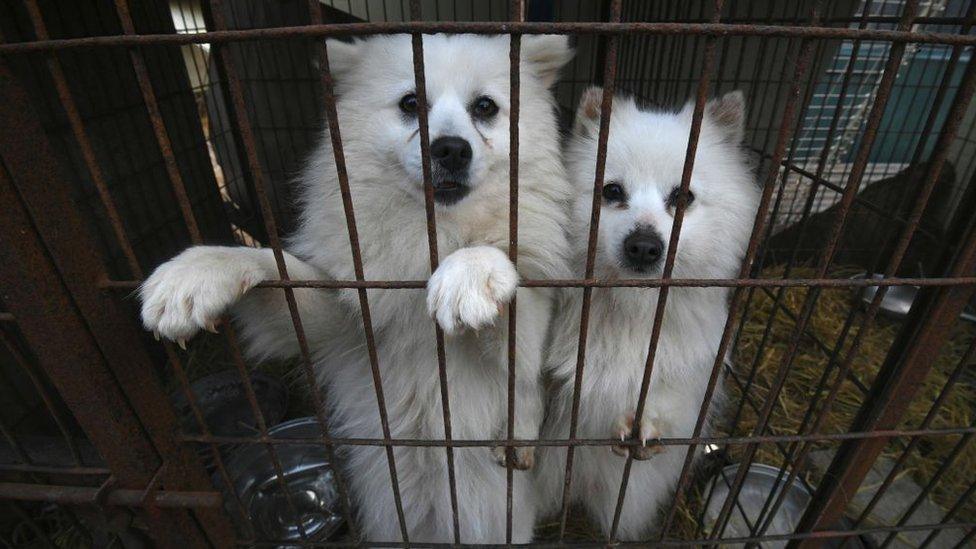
(643,248)
(452,153)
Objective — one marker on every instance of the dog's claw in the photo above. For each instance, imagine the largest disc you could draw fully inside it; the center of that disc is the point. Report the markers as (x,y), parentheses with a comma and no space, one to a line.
(156,334)
(650,430)
(211,327)
(182,343)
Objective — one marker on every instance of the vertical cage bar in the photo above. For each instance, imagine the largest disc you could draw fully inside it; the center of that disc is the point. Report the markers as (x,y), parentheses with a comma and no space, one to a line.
(787,127)
(108,202)
(37,173)
(517,13)
(704,83)
(955,116)
(854,180)
(609,87)
(420,84)
(248,141)
(899,378)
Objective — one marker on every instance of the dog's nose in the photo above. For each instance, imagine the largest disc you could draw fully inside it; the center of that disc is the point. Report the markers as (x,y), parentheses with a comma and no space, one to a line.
(452,153)
(643,248)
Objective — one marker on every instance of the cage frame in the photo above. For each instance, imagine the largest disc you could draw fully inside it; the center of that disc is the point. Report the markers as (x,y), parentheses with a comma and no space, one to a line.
(90,312)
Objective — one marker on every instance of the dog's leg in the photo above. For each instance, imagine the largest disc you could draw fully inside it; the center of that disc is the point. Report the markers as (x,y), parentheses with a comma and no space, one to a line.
(528,420)
(196,288)
(470,288)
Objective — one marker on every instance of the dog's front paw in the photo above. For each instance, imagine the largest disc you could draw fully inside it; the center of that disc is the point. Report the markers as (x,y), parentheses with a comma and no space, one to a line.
(469,289)
(523,457)
(650,429)
(193,290)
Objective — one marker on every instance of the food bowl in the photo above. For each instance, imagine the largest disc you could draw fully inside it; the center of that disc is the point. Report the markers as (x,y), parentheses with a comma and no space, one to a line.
(309,480)
(898,300)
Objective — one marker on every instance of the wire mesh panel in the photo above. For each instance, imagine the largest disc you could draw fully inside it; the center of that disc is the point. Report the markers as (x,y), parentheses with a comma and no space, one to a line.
(838,395)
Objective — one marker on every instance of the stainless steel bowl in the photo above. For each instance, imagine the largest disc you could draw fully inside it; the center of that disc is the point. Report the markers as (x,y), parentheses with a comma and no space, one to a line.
(898,300)
(308,477)
(759,483)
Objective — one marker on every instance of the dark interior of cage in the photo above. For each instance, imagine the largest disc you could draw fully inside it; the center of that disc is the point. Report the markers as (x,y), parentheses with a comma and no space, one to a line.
(802,360)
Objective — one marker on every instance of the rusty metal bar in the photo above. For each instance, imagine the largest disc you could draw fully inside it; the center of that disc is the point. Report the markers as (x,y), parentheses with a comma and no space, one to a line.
(107,200)
(53,470)
(963,499)
(472,27)
(923,496)
(517,14)
(79,495)
(898,380)
(606,106)
(704,85)
(155,119)
(96,334)
(335,135)
(249,145)
(787,127)
(744,282)
(818,537)
(42,391)
(896,468)
(948,133)
(670,441)
(83,141)
(420,85)
(32,288)
(860,162)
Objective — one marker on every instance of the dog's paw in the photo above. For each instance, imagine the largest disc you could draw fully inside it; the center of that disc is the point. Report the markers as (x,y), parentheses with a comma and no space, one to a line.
(470,288)
(650,429)
(193,290)
(523,456)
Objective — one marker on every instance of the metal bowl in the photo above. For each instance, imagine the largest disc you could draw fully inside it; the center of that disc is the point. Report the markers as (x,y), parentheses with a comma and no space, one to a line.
(898,300)
(760,482)
(308,478)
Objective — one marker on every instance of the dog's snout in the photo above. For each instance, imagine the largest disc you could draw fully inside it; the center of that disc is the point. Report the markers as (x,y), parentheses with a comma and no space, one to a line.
(452,153)
(643,248)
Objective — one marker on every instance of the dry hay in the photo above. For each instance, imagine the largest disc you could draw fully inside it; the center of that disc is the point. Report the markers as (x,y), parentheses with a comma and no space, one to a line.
(807,367)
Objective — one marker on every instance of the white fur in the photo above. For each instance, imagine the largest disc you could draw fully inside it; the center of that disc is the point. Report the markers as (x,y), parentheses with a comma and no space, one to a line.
(646,153)
(466,294)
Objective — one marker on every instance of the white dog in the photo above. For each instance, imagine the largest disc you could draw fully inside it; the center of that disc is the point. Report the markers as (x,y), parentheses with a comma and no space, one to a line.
(467,81)
(646,154)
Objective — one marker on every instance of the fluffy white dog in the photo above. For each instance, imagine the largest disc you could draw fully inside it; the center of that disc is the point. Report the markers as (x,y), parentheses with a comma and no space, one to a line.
(646,153)
(468,92)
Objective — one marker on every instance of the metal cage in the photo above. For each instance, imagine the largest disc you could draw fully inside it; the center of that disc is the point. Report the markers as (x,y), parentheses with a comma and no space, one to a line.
(133,129)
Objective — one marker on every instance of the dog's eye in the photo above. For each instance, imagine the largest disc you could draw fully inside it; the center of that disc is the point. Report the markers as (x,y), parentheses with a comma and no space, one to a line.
(484,107)
(672,201)
(408,104)
(613,192)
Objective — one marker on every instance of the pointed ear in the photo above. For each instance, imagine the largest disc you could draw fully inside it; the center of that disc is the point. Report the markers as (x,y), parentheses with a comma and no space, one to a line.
(343,56)
(545,54)
(587,122)
(728,115)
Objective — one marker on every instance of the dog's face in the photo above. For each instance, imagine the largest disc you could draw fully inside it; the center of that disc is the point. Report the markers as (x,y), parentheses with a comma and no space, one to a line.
(645,159)
(467,90)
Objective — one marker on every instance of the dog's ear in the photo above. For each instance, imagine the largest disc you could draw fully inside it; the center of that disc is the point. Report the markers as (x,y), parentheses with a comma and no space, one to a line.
(728,115)
(545,54)
(343,56)
(587,122)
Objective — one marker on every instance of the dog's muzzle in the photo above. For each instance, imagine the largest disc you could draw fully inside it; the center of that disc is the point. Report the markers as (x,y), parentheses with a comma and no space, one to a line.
(451,156)
(642,249)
